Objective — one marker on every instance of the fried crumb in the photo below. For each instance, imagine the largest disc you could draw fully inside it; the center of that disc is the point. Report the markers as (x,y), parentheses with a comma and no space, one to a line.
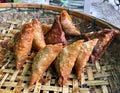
(1,74)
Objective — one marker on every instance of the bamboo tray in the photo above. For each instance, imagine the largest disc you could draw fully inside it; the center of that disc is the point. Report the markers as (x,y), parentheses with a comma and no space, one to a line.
(101,77)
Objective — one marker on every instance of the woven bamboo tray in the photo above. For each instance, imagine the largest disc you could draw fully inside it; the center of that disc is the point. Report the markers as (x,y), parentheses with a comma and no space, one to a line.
(101,77)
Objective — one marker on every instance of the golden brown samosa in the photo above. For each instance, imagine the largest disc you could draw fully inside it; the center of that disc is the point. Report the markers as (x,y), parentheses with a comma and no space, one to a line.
(56,34)
(67,24)
(38,40)
(66,60)
(23,44)
(46,28)
(105,38)
(84,54)
(42,61)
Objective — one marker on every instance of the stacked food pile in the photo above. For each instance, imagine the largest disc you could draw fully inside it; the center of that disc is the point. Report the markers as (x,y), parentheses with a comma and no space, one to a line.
(52,44)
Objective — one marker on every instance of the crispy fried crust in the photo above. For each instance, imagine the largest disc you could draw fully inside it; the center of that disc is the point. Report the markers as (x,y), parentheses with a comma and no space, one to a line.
(38,40)
(105,38)
(46,28)
(84,54)
(66,60)
(67,24)
(56,35)
(23,45)
(42,61)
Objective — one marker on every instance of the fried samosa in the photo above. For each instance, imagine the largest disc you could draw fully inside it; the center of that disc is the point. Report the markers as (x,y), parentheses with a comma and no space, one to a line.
(38,40)
(23,44)
(84,54)
(67,24)
(56,34)
(66,60)
(105,38)
(42,61)
(46,28)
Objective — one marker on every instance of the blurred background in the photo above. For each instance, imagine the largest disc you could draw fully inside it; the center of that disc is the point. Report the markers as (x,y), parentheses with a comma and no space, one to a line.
(108,10)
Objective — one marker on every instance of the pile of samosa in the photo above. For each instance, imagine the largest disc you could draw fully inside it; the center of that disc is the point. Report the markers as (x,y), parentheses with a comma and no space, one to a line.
(53,47)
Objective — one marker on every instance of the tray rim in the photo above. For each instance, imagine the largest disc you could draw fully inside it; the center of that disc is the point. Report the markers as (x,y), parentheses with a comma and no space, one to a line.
(82,15)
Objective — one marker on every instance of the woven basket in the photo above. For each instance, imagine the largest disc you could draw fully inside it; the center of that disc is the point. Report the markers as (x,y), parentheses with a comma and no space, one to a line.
(101,77)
